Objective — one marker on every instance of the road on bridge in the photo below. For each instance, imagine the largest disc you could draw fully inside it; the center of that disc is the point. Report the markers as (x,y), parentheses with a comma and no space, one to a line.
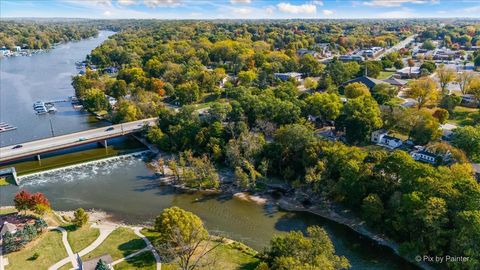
(73,139)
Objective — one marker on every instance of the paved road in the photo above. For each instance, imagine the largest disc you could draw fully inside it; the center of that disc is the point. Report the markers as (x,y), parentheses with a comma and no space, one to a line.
(397,46)
(149,246)
(73,139)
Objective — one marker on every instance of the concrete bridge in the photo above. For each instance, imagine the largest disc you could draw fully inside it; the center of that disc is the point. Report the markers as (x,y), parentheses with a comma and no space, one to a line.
(100,135)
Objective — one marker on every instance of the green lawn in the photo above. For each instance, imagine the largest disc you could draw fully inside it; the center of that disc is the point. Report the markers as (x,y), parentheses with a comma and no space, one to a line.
(8,210)
(385,75)
(143,261)
(82,237)
(120,243)
(462,116)
(50,248)
(233,255)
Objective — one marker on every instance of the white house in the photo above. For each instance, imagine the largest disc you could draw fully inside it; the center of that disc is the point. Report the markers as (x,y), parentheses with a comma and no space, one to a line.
(381,138)
(425,156)
(111,100)
(285,76)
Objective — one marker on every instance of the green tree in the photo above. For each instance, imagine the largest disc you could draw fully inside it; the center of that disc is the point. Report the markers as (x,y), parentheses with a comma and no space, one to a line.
(384,92)
(356,89)
(101,265)
(188,92)
(95,100)
(310,83)
(295,251)
(310,66)
(425,128)
(324,105)
(247,77)
(445,76)
(468,139)
(118,89)
(372,208)
(430,66)
(441,115)
(80,217)
(127,111)
(428,45)
(359,117)
(183,238)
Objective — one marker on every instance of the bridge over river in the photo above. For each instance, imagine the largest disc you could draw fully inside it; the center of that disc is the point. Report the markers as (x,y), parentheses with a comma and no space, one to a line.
(101,135)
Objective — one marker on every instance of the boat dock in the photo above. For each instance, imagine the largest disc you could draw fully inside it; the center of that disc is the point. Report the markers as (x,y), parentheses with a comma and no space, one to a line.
(6,127)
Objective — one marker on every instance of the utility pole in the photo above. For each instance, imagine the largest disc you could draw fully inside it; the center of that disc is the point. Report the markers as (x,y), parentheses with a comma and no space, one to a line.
(51,127)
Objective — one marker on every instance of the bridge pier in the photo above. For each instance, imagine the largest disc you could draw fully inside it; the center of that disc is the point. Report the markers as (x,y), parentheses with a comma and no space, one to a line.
(103,143)
(38,158)
(10,171)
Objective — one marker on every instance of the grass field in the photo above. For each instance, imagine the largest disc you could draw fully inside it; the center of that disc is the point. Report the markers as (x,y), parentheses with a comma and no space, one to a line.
(80,238)
(120,243)
(143,261)
(228,255)
(49,247)
(462,116)
(7,210)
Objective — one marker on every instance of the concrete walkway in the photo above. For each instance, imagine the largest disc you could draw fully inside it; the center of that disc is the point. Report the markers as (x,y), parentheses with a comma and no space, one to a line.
(130,256)
(105,231)
(71,257)
(3,261)
(149,246)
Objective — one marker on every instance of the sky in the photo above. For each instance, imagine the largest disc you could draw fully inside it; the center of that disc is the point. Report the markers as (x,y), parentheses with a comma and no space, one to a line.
(239,9)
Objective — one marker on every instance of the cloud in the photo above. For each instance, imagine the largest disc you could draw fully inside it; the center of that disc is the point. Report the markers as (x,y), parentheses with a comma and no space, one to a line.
(107,13)
(168,3)
(396,3)
(474,9)
(242,11)
(316,2)
(126,2)
(328,12)
(270,10)
(240,1)
(297,9)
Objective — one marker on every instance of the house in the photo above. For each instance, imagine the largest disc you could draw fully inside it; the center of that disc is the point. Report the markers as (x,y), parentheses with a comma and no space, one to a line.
(302,52)
(372,52)
(469,100)
(110,70)
(368,81)
(396,82)
(91,264)
(408,73)
(447,131)
(424,156)
(476,169)
(324,49)
(286,76)
(111,100)
(381,138)
(346,58)
(8,227)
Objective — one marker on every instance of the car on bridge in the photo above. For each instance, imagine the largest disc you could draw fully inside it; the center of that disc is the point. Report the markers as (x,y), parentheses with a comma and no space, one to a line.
(17,146)
(81,139)
(110,129)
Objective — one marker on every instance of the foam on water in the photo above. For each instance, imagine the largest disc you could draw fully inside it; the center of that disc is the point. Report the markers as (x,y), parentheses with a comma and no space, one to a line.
(82,171)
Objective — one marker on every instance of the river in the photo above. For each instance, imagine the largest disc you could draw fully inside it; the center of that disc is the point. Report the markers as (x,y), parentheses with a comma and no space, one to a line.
(124,186)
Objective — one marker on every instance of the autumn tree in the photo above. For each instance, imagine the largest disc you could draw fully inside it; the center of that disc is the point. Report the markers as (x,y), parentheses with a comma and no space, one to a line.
(80,217)
(183,238)
(23,201)
(445,76)
(356,89)
(463,79)
(423,90)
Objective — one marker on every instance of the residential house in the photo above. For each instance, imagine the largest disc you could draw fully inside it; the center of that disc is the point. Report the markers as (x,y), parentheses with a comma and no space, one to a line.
(368,81)
(372,52)
(302,52)
(347,58)
(424,156)
(396,82)
(91,264)
(286,76)
(382,138)
(110,70)
(469,100)
(408,73)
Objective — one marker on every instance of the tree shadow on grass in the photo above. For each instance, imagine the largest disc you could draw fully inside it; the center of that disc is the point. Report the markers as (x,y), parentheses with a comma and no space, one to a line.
(249,265)
(142,260)
(131,246)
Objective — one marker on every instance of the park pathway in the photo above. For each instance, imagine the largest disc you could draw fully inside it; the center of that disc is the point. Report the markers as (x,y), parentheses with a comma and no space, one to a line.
(71,256)
(149,246)
(105,231)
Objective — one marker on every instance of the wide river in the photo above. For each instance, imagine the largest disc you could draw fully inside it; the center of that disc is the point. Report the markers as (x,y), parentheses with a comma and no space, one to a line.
(124,186)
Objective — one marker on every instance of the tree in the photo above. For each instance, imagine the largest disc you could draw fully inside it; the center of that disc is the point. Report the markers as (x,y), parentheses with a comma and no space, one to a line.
(445,76)
(327,106)
(423,90)
(310,83)
(127,111)
(247,77)
(463,80)
(356,89)
(428,45)
(295,251)
(359,117)
(183,237)
(468,139)
(188,92)
(441,115)
(118,89)
(477,61)
(310,66)
(449,102)
(373,68)
(80,217)
(101,265)
(372,208)
(430,66)
(425,128)
(411,63)
(23,201)
(384,92)
(95,100)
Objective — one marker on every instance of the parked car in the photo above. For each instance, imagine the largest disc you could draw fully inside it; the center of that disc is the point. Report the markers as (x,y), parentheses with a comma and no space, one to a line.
(17,146)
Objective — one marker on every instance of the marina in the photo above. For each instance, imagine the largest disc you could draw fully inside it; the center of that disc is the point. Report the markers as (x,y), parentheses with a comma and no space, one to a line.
(6,127)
